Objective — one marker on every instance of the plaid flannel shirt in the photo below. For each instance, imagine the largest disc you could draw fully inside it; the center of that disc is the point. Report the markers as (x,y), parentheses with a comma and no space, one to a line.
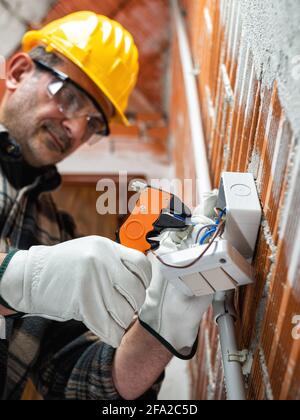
(64,360)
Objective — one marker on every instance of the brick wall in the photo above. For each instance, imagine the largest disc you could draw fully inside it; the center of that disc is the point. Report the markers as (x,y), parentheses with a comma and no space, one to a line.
(250,109)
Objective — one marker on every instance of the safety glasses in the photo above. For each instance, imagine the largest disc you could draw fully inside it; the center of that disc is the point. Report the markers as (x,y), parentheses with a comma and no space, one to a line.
(74,102)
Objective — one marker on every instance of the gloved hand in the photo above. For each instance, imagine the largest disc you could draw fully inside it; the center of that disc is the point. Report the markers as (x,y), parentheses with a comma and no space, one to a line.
(171,316)
(92,279)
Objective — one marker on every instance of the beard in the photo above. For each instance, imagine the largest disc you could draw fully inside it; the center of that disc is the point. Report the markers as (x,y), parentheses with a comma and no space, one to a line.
(17,118)
(20,117)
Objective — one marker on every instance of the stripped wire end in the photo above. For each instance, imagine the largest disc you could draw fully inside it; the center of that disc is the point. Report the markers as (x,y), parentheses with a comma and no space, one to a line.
(211,229)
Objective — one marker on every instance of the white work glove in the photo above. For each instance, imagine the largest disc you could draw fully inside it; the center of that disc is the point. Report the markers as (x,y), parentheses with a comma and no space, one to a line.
(170,315)
(92,279)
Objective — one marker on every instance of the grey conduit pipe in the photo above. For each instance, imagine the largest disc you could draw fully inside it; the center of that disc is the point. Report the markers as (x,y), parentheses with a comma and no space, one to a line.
(225,317)
(223,302)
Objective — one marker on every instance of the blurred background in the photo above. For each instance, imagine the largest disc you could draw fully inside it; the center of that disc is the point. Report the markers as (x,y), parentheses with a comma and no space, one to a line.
(141,150)
(246,64)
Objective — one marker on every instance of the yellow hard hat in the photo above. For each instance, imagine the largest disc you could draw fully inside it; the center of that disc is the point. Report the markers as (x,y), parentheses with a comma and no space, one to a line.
(100,47)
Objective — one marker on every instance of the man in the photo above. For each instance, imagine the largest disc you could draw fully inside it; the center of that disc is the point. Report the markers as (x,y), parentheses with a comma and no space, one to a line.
(74,76)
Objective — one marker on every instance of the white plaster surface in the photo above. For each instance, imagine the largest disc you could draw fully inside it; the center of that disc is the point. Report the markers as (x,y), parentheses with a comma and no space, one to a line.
(273,31)
(100,159)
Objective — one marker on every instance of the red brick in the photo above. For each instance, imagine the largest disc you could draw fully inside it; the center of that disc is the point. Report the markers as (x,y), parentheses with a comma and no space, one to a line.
(255,126)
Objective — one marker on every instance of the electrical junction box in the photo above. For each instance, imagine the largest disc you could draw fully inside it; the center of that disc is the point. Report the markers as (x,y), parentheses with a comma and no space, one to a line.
(238,194)
(221,268)
(226,264)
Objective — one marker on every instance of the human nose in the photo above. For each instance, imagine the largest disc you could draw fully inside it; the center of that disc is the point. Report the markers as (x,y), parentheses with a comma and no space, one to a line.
(75,128)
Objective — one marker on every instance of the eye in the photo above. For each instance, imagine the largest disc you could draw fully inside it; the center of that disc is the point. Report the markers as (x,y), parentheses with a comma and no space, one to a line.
(96,125)
(71,99)
(68,97)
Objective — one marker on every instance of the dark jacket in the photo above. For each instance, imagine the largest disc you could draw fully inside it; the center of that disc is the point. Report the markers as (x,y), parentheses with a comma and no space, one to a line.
(64,360)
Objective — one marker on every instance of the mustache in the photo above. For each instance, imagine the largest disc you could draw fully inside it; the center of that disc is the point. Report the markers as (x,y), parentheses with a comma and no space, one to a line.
(59,133)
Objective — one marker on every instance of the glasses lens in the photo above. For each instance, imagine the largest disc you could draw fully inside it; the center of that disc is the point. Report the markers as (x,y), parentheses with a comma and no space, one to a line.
(55,87)
(72,101)
(74,104)
(96,126)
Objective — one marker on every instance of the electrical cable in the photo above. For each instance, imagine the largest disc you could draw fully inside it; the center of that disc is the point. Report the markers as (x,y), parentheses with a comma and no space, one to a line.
(208,235)
(218,232)
(201,230)
(182,219)
(220,213)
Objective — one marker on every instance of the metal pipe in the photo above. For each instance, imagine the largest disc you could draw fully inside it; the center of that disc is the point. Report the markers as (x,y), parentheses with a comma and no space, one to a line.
(194,112)
(225,320)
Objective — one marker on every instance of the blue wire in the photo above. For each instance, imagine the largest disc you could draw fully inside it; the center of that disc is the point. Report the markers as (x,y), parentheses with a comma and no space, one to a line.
(182,219)
(179,217)
(214,228)
(207,235)
(220,217)
(222,213)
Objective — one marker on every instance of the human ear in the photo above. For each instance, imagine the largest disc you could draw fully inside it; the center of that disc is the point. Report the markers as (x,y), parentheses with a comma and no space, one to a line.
(19,68)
